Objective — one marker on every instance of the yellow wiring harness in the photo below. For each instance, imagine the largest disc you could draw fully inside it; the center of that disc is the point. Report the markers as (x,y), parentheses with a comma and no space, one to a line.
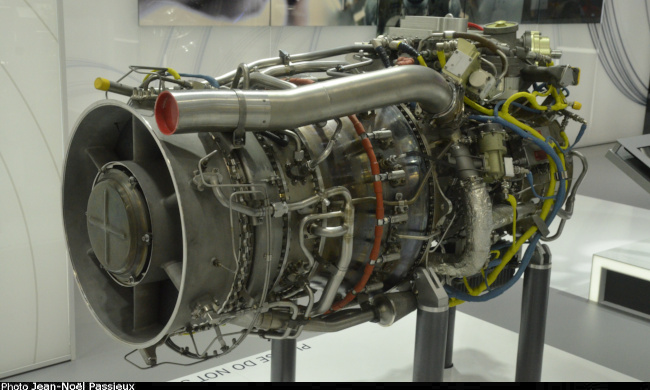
(171,71)
(546,208)
(442,58)
(560,104)
(531,97)
(548,203)
(478,107)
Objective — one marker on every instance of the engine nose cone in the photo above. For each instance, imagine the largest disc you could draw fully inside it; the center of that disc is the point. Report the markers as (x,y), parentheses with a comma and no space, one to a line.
(119,226)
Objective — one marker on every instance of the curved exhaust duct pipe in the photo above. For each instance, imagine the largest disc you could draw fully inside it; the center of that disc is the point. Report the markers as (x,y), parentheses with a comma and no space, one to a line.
(227,110)
(478,219)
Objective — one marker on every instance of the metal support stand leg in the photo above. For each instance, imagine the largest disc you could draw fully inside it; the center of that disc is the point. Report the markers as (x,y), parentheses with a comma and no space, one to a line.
(451,324)
(431,327)
(283,360)
(534,306)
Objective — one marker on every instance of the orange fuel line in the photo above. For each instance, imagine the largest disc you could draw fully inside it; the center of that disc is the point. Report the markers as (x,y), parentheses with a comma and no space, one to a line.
(379,229)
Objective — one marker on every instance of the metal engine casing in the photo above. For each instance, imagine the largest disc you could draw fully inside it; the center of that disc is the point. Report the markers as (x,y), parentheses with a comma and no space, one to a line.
(183,216)
(256,204)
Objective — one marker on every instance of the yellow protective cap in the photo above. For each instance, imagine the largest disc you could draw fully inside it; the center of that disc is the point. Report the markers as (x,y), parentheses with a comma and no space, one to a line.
(102,84)
(576,105)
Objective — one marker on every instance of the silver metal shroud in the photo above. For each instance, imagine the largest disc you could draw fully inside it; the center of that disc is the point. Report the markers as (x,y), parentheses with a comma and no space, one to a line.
(226,110)
(476,251)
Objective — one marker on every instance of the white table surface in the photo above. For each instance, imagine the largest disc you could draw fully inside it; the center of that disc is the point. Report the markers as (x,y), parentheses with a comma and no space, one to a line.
(369,352)
(596,226)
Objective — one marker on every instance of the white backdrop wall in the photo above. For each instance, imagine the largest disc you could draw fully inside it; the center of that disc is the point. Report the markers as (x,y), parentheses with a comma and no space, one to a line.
(103,38)
(34,285)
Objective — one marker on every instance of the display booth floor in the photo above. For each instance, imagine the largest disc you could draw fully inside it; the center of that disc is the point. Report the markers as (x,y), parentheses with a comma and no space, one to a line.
(482,352)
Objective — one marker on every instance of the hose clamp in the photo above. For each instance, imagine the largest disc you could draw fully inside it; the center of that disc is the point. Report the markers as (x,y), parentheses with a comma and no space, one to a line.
(564,175)
(433,309)
(455,106)
(239,134)
(540,267)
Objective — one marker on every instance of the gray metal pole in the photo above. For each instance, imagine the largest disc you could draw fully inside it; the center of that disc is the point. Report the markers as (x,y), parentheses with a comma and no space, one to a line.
(431,327)
(451,324)
(534,305)
(283,360)
(430,342)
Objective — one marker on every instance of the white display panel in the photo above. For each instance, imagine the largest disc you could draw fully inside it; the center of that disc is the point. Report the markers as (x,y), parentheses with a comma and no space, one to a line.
(34,283)
(597,225)
(632,260)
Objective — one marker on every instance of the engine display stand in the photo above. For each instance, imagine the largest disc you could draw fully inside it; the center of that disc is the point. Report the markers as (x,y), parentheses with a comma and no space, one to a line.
(430,328)
(283,360)
(449,353)
(434,332)
(532,329)
(534,305)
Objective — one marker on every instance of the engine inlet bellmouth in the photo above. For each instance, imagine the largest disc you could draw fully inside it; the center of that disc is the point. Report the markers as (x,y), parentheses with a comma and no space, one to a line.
(166,111)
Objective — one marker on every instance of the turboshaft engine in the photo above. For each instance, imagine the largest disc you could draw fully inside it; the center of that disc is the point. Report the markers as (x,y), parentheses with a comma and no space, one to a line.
(304,193)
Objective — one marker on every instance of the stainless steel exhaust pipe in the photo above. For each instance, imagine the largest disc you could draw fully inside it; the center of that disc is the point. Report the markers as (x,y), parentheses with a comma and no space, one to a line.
(227,110)
(476,252)
(309,56)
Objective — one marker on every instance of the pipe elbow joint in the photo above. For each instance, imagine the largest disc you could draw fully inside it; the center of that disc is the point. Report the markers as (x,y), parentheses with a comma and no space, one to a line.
(478,218)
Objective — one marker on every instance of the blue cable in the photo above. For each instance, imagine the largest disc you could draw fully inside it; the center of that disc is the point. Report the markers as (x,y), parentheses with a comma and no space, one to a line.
(550,140)
(503,288)
(529,176)
(487,285)
(211,80)
(532,244)
(535,239)
(493,264)
(529,109)
(540,87)
(583,128)
(544,87)
(500,245)
(497,108)
(524,263)
(542,145)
